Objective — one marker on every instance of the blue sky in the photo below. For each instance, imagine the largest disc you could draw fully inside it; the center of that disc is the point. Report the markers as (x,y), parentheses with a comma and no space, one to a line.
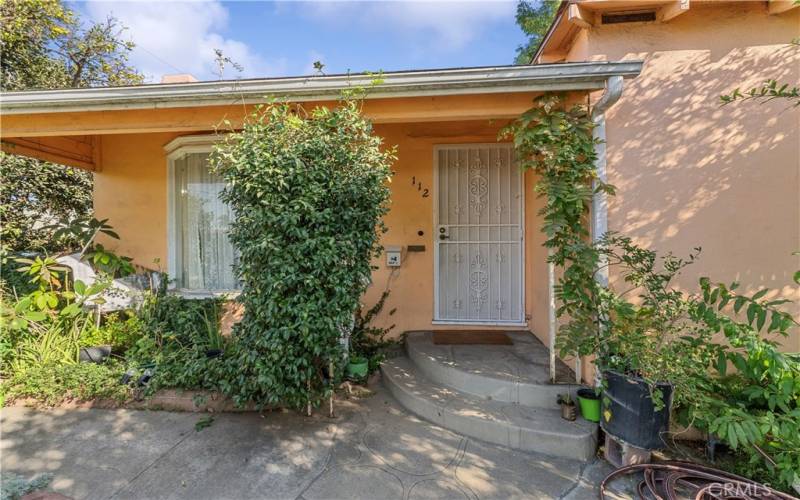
(285,38)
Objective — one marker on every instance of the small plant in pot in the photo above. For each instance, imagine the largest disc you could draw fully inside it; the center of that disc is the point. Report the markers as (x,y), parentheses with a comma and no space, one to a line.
(357,368)
(568,410)
(215,342)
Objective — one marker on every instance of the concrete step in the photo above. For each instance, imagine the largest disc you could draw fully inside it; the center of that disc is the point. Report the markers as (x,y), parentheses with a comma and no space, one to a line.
(512,374)
(507,424)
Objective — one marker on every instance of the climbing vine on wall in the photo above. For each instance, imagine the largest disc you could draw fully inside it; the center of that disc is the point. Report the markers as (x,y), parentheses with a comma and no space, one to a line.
(308,191)
(555,141)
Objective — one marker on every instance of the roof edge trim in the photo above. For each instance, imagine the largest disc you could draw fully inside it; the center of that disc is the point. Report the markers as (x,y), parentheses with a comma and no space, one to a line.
(464,81)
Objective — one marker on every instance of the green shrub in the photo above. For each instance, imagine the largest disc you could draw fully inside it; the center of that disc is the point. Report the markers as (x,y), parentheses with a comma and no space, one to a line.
(53,384)
(172,318)
(14,486)
(115,331)
(174,334)
(308,191)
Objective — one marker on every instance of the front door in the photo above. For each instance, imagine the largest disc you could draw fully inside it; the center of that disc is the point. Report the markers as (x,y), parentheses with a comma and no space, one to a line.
(479,236)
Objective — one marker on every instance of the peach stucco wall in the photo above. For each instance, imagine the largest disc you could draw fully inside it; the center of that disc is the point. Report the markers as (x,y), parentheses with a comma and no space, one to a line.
(131,191)
(692,173)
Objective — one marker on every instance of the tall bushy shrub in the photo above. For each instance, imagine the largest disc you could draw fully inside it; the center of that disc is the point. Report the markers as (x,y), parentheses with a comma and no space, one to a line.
(308,191)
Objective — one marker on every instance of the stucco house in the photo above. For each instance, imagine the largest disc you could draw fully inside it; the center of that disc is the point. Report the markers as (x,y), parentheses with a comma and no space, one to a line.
(463,218)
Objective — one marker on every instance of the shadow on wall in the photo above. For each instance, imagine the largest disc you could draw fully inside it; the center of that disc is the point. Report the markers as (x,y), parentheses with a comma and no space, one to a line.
(691,172)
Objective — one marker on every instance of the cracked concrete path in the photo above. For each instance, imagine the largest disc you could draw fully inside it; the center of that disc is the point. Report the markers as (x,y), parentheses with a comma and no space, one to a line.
(372,450)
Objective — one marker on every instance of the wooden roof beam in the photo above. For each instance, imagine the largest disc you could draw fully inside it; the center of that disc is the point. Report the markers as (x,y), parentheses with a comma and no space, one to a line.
(580,17)
(775,7)
(67,151)
(673,10)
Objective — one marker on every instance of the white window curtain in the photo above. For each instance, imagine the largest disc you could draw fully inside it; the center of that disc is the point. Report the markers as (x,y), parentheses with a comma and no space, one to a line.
(205,256)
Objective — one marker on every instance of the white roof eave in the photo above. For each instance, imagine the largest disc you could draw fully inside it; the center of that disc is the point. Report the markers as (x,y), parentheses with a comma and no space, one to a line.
(544,77)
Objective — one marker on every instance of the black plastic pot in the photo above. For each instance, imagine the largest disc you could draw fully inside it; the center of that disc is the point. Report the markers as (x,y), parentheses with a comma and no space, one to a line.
(629,413)
(95,354)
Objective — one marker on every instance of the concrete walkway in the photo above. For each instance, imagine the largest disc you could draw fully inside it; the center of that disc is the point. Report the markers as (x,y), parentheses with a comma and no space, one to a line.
(373,449)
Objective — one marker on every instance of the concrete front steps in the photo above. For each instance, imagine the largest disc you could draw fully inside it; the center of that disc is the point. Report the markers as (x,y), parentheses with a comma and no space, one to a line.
(492,393)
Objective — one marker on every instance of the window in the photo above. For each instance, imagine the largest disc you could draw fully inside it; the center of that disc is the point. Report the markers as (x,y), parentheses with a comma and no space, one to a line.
(201,257)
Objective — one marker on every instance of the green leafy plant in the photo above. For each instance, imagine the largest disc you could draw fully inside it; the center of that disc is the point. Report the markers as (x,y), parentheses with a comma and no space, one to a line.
(755,409)
(213,337)
(308,190)
(85,230)
(768,91)
(56,343)
(366,340)
(109,262)
(651,329)
(45,326)
(556,143)
(115,331)
(534,19)
(52,384)
(34,191)
(174,334)
(172,318)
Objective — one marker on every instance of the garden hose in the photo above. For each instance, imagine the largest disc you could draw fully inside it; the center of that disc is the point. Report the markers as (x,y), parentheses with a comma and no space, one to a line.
(668,480)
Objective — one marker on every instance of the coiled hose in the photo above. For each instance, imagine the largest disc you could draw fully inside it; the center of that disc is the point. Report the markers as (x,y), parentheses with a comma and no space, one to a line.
(675,480)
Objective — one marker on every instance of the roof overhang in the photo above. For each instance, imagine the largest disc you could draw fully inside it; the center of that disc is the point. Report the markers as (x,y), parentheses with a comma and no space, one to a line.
(462,81)
(573,16)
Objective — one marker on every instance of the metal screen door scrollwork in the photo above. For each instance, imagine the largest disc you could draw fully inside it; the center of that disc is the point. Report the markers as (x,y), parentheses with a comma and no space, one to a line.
(478,234)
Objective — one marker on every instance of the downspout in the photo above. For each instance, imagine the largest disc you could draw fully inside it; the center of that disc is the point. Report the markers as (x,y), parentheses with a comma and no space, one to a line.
(611,95)
(599,215)
(613,92)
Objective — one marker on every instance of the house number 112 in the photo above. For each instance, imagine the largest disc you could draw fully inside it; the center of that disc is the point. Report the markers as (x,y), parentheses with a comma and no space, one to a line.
(421,189)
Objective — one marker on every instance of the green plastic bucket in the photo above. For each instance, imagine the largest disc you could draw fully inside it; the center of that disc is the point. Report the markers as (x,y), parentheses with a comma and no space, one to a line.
(590,404)
(357,368)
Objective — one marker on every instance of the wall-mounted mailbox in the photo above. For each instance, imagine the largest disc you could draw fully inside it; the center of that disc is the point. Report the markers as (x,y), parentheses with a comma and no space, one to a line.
(393,256)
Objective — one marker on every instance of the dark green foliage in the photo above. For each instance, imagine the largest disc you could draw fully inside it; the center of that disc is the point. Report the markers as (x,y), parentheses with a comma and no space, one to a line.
(308,191)
(43,44)
(171,318)
(176,333)
(35,194)
(534,18)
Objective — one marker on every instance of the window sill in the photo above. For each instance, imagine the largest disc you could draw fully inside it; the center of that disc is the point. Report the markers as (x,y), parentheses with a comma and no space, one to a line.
(205,294)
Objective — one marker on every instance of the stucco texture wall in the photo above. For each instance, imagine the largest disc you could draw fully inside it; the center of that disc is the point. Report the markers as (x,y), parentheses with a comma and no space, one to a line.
(690,172)
(131,190)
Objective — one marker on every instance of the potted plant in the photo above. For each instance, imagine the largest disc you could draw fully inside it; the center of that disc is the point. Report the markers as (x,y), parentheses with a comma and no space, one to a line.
(357,368)
(215,342)
(589,401)
(568,410)
(637,342)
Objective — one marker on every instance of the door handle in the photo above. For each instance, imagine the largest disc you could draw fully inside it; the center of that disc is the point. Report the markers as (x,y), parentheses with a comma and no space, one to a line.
(444,237)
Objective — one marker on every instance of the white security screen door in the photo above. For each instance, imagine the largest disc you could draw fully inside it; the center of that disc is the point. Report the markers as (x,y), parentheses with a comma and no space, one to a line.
(478,240)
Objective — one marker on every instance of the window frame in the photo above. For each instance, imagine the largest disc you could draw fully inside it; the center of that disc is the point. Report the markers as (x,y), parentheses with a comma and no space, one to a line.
(176,149)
